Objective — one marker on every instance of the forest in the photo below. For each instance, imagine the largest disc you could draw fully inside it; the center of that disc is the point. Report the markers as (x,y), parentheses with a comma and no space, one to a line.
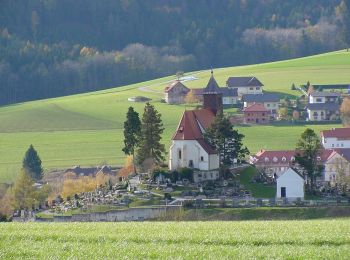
(52,48)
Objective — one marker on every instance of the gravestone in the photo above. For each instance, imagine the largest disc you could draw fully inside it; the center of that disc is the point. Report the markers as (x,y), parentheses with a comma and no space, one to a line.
(235,203)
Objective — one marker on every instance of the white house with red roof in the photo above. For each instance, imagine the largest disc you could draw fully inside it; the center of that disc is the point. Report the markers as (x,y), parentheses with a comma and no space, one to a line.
(336,138)
(189,148)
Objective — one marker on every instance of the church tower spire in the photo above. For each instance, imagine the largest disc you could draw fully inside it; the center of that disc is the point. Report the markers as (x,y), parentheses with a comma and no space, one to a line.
(212,96)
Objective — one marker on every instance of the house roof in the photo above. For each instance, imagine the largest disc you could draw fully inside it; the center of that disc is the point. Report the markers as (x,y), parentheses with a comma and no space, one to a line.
(345,153)
(284,156)
(340,133)
(291,170)
(206,146)
(325,94)
(229,92)
(193,123)
(233,82)
(323,106)
(266,97)
(255,108)
(212,86)
(176,84)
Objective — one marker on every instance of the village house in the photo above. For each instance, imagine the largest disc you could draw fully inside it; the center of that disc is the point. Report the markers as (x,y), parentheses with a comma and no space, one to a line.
(290,185)
(323,106)
(336,138)
(189,148)
(175,92)
(268,100)
(256,114)
(338,161)
(245,85)
(273,162)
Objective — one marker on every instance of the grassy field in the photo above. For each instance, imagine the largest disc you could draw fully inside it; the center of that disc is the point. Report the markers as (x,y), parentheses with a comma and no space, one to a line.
(319,239)
(86,129)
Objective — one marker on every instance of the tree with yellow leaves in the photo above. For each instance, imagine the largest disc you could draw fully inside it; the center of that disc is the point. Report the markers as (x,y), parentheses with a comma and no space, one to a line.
(191,98)
(345,111)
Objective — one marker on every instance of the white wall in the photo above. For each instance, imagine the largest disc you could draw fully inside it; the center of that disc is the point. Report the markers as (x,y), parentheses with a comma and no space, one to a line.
(293,182)
(319,117)
(229,100)
(248,90)
(191,150)
(330,143)
(335,164)
(313,100)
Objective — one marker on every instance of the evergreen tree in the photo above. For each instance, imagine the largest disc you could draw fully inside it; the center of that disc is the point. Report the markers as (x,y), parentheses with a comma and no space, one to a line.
(151,130)
(308,150)
(32,164)
(132,131)
(226,140)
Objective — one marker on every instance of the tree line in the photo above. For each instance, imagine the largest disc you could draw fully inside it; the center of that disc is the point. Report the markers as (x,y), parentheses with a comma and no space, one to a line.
(61,47)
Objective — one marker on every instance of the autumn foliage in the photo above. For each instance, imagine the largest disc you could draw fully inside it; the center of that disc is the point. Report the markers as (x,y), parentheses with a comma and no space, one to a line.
(128,167)
(345,111)
(74,184)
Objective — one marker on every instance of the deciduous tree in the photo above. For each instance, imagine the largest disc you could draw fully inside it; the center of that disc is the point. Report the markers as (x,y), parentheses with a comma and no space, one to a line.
(226,140)
(345,111)
(309,149)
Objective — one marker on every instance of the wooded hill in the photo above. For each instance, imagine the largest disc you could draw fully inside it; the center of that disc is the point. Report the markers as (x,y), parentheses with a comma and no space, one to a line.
(58,47)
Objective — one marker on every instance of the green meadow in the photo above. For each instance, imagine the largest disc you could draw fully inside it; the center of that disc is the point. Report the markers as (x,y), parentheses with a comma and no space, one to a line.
(307,239)
(86,129)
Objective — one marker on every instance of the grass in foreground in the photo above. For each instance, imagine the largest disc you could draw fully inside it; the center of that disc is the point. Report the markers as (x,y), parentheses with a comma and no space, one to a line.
(316,239)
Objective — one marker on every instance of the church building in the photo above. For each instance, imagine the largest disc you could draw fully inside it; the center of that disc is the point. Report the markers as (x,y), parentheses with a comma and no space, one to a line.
(189,148)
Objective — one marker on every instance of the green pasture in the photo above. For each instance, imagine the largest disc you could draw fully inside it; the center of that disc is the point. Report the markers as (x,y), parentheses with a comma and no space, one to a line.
(311,239)
(86,129)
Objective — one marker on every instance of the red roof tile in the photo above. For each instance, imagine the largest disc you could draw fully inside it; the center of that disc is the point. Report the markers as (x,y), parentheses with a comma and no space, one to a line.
(276,156)
(337,133)
(191,123)
(255,108)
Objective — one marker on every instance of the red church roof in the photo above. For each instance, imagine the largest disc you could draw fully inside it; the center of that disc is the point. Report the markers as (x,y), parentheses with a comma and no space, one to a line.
(341,133)
(192,125)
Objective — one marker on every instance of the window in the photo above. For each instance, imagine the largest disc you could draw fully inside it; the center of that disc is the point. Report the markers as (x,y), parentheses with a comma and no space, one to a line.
(342,145)
(251,88)
(332,145)
(268,105)
(179,154)
(275,159)
(284,159)
(211,175)
(263,114)
(292,159)
(190,163)
(257,88)
(318,99)
(266,159)
(202,158)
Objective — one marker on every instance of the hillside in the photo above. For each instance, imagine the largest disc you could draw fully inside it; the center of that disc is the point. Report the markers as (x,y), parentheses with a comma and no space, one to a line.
(86,129)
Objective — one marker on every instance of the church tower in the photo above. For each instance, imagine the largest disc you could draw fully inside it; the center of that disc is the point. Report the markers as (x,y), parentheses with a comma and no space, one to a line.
(212,96)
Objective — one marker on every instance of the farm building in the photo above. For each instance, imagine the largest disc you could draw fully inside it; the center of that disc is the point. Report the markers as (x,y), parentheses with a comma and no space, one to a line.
(245,85)
(268,100)
(175,92)
(338,138)
(256,114)
(290,185)
(338,161)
